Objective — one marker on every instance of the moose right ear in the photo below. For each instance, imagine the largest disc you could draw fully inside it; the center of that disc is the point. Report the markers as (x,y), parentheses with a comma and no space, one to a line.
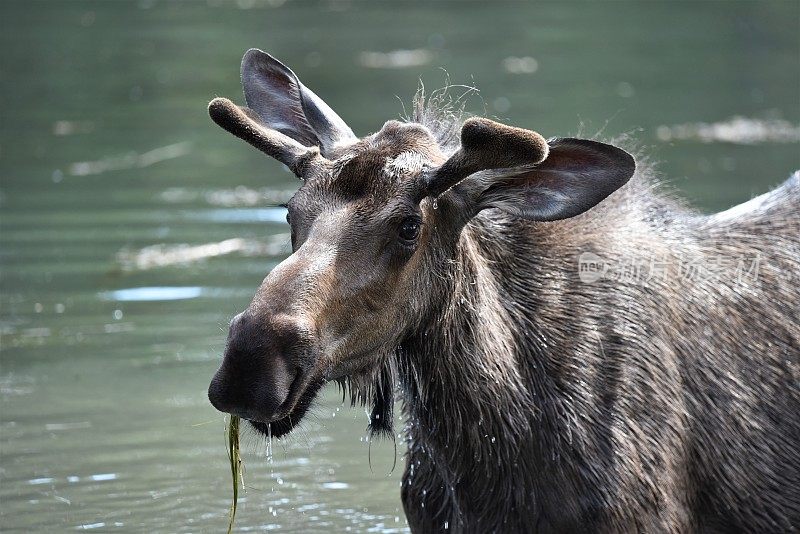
(284,104)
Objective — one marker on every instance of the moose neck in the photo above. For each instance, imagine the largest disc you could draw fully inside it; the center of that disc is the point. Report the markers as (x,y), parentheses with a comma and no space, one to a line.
(492,389)
(477,377)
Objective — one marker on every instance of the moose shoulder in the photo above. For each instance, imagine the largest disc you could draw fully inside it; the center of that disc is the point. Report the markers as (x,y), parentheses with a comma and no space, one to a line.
(575,351)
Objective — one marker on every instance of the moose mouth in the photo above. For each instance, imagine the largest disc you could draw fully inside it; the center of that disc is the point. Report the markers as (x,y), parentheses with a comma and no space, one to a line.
(284,425)
(352,373)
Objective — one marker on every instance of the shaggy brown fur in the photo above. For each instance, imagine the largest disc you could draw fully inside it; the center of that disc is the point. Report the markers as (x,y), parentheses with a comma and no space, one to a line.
(538,402)
(643,395)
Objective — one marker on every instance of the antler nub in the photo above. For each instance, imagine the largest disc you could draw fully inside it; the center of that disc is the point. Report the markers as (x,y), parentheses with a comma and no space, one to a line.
(486,144)
(245,124)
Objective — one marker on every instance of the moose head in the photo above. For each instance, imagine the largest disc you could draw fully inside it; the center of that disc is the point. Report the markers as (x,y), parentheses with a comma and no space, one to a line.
(373,223)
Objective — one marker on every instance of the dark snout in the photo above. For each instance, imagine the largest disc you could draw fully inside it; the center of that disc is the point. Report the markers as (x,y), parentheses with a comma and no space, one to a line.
(262,370)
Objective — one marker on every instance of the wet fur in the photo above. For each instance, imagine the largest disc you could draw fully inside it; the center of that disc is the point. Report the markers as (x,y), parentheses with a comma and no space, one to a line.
(537,402)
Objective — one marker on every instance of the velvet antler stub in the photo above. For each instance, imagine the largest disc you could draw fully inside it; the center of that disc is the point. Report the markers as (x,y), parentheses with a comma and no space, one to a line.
(486,144)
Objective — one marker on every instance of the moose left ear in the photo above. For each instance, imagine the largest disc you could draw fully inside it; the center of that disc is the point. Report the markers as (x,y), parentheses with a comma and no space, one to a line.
(517,171)
(576,176)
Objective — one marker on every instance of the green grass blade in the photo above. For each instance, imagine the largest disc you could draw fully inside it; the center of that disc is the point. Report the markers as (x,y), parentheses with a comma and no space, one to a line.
(236,465)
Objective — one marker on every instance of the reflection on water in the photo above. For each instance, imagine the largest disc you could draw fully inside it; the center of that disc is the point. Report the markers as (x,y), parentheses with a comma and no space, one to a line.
(237,196)
(739,130)
(129,161)
(73,479)
(396,59)
(241,215)
(143,294)
(132,229)
(162,255)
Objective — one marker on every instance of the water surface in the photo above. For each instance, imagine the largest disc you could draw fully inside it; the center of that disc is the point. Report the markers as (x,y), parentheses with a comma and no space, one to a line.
(116,185)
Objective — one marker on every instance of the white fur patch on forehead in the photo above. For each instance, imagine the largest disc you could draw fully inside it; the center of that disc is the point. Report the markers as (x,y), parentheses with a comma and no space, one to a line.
(405,163)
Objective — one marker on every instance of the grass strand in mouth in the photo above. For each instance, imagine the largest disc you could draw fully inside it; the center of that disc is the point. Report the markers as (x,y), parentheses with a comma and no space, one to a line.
(236,466)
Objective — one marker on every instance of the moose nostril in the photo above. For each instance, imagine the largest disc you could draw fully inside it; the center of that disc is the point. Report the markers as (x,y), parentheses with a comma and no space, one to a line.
(218,393)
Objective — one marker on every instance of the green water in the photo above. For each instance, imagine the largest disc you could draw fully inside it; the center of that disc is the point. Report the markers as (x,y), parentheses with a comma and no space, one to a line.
(106,149)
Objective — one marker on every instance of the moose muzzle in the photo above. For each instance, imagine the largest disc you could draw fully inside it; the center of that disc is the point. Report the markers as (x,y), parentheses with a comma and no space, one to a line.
(262,375)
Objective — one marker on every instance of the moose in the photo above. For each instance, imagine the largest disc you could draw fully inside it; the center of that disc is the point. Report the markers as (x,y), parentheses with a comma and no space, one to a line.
(491,280)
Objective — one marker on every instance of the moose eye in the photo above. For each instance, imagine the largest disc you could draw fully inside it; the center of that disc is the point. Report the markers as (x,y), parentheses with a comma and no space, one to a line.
(409,230)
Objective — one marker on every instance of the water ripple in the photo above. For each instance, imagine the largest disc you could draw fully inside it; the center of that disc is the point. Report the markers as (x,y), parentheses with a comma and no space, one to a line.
(143,294)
